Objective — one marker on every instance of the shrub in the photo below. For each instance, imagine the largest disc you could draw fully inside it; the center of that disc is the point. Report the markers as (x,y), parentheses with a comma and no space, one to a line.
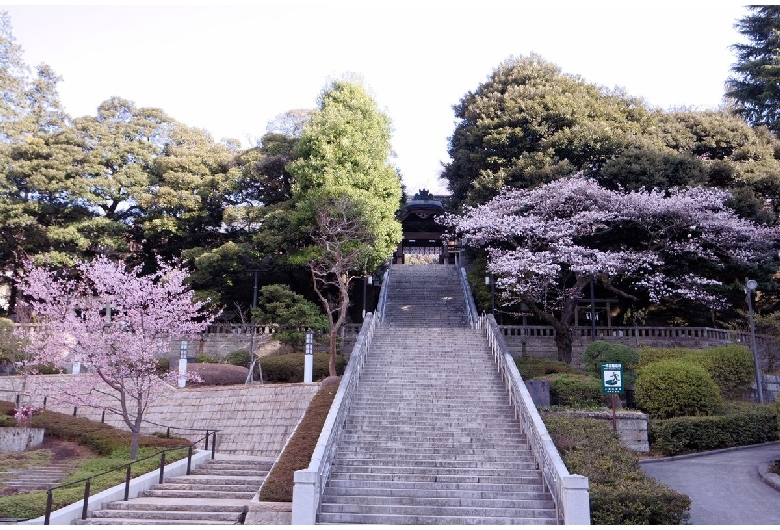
(603,352)
(730,366)
(278,486)
(670,388)
(289,368)
(239,358)
(675,436)
(163,365)
(573,390)
(649,355)
(532,367)
(218,374)
(101,438)
(207,359)
(620,492)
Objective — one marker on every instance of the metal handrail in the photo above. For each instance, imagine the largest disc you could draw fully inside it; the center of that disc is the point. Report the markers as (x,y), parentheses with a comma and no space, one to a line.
(88,480)
(554,472)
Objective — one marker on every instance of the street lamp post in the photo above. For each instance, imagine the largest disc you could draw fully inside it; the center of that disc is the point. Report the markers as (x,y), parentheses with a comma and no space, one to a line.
(489,280)
(750,286)
(250,377)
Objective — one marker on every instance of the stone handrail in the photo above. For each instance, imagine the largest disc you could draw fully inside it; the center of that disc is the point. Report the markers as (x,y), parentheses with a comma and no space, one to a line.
(570,492)
(383,293)
(471,308)
(309,482)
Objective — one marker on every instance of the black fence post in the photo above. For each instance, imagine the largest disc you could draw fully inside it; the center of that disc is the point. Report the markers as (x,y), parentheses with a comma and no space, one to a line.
(189,459)
(162,467)
(127,482)
(85,509)
(75,409)
(213,444)
(47,517)
(45,398)
(168,433)
(103,416)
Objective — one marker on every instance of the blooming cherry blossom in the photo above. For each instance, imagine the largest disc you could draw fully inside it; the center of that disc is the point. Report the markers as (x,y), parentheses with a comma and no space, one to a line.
(115,323)
(546,244)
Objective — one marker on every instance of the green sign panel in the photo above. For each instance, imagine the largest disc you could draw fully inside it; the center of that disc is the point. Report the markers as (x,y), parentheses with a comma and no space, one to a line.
(611,378)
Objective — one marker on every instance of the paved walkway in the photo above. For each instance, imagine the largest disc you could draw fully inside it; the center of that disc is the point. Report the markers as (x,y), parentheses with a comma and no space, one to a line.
(724,486)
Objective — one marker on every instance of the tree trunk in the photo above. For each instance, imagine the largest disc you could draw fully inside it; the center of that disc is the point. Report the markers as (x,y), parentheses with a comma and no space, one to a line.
(332,359)
(135,441)
(564,344)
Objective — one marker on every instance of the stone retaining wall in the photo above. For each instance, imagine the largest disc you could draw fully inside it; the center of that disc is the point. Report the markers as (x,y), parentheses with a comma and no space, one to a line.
(18,439)
(252,419)
(631,427)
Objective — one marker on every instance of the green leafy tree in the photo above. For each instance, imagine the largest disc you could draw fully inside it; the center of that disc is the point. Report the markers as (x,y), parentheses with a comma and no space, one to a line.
(345,197)
(755,86)
(529,123)
(279,305)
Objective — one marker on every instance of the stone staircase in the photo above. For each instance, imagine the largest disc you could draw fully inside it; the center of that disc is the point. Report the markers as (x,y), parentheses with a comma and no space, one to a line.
(217,493)
(430,437)
(34,478)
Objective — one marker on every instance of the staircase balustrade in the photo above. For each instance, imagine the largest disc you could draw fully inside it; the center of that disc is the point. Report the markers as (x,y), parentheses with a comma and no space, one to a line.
(570,492)
(471,308)
(310,482)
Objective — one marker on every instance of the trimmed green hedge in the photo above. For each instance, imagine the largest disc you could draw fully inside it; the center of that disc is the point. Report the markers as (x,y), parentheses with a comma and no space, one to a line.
(278,487)
(730,366)
(683,435)
(620,492)
(533,367)
(673,387)
(289,368)
(573,390)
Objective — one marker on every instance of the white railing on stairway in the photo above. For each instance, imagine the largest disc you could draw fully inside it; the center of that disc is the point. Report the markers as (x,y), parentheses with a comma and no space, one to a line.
(471,308)
(570,492)
(310,482)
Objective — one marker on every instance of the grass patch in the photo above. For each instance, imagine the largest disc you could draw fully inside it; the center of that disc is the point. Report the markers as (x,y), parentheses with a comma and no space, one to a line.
(111,448)
(37,457)
(278,487)
(32,505)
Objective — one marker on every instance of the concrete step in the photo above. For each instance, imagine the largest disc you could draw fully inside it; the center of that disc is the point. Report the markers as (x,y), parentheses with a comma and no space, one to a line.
(200,494)
(215,479)
(396,519)
(440,489)
(442,476)
(114,521)
(442,507)
(145,504)
(163,515)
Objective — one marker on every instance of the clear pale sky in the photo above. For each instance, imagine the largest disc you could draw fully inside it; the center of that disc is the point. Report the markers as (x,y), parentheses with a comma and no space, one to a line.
(232,69)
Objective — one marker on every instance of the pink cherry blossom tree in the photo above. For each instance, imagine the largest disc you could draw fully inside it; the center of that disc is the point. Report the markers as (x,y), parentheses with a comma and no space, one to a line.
(545,245)
(115,323)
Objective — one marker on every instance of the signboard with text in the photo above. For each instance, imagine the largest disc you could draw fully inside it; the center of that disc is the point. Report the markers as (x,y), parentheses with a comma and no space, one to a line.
(611,378)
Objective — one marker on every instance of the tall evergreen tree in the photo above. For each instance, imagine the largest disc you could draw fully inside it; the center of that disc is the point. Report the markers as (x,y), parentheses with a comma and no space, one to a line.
(346,195)
(755,85)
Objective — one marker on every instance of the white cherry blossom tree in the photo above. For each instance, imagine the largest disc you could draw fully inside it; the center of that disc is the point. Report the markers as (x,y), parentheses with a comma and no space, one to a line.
(545,245)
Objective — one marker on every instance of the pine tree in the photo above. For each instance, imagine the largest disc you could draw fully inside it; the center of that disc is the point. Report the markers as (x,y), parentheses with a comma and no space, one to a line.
(755,86)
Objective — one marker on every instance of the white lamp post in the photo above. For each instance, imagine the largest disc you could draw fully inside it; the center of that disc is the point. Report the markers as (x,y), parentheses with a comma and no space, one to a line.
(750,286)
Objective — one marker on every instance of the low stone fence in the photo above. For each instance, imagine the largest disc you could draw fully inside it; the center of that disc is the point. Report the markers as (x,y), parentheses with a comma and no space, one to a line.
(539,341)
(631,426)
